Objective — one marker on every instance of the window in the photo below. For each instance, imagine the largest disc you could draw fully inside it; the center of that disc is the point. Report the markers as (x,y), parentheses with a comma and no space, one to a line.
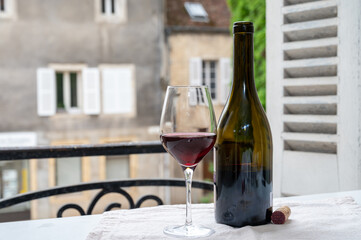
(68,171)
(68,91)
(14,174)
(7,8)
(209,77)
(63,88)
(77,89)
(117,167)
(216,74)
(196,11)
(9,182)
(110,10)
(13,178)
(2,5)
(108,7)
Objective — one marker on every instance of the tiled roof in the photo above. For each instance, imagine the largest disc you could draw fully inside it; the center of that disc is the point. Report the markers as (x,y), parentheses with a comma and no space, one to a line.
(217,10)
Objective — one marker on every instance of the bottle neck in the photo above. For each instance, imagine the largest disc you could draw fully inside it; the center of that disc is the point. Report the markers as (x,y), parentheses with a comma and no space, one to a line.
(243,76)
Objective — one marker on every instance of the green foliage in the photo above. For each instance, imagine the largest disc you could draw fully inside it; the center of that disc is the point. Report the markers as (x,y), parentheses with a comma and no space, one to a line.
(208,198)
(254,11)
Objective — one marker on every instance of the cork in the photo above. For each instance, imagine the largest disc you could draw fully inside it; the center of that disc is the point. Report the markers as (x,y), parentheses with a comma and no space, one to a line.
(281,215)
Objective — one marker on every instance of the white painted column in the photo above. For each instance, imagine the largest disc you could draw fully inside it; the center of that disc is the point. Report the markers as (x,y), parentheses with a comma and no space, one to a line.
(349,92)
(273,84)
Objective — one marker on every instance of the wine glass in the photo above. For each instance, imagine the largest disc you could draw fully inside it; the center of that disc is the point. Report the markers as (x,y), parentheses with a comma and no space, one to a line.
(188,132)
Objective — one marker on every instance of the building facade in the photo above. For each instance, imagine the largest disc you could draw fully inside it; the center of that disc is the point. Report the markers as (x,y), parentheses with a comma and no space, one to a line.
(82,72)
(198,48)
(96,71)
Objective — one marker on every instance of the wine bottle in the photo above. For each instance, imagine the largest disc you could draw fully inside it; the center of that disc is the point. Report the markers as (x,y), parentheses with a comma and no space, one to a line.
(243,161)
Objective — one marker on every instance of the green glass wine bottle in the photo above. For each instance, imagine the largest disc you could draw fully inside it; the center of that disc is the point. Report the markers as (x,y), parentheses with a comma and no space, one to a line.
(243,162)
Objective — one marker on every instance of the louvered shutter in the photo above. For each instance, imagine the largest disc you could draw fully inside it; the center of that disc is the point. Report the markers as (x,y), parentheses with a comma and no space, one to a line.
(225,79)
(91,91)
(118,90)
(46,92)
(302,94)
(195,72)
(195,78)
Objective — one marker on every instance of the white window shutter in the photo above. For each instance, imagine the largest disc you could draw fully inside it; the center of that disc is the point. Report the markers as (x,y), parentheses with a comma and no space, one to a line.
(46,92)
(91,91)
(118,90)
(225,79)
(195,78)
(195,72)
(302,95)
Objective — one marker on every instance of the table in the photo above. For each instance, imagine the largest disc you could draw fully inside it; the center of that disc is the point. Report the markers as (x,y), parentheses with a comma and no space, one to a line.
(79,227)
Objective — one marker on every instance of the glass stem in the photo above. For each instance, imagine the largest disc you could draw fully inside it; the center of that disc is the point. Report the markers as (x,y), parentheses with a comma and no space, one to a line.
(188,174)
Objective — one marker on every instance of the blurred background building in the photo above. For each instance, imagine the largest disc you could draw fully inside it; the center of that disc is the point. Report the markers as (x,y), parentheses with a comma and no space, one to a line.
(90,72)
(198,49)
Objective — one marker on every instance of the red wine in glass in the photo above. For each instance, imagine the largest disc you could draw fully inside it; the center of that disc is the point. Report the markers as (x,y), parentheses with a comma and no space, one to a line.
(188,148)
(188,131)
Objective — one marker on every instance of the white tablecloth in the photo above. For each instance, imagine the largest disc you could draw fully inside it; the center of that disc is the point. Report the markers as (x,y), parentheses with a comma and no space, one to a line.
(337,218)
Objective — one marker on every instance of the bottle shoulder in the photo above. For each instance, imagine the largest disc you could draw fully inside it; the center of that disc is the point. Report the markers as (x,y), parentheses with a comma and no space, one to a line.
(242,113)
(243,122)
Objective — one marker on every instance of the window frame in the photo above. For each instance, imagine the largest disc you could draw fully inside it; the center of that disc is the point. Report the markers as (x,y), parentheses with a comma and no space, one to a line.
(207,79)
(222,78)
(9,11)
(67,93)
(3,6)
(108,7)
(115,11)
(66,70)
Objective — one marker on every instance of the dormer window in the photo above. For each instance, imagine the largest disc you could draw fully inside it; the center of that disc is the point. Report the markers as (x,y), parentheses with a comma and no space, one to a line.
(196,11)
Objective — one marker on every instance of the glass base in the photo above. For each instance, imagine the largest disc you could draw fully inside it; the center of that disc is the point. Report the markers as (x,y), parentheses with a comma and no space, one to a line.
(192,231)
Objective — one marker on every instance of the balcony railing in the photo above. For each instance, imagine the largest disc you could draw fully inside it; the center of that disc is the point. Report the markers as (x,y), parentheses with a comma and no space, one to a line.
(17,153)
(43,152)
